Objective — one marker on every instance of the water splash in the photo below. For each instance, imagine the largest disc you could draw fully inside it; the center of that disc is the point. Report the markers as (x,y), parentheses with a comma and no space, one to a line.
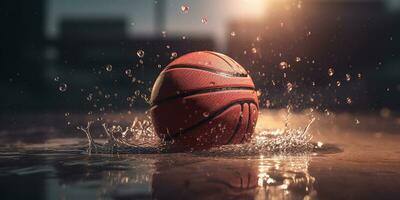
(140,137)
(272,141)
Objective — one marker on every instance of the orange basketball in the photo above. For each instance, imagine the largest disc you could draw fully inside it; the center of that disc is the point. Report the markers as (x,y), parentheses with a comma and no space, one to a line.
(204,99)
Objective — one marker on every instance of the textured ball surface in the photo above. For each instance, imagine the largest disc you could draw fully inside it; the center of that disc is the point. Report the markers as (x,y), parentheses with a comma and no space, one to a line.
(204,99)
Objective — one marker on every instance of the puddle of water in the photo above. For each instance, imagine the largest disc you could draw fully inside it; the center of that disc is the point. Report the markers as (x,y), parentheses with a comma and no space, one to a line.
(275,164)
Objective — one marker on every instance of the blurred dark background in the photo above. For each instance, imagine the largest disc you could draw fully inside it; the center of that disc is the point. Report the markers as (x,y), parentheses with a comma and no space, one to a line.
(59,56)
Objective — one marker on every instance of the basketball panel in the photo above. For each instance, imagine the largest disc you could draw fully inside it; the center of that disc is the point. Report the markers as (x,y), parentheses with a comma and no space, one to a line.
(176,115)
(178,81)
(213,132)
(243,125)
(204,59)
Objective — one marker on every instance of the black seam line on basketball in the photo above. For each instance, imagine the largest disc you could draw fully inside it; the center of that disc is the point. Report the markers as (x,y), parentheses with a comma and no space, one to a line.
(183,66)
(233,61)
(219,56)
(202,91)
(238,125)
(248,124)
(210,117)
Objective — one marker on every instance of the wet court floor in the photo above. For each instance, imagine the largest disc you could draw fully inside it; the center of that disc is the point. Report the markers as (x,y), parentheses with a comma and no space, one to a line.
(361,161)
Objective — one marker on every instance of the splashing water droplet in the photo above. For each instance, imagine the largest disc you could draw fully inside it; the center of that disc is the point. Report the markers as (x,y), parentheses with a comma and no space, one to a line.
(204,20)
(283,65)
(299,4)
(298,59)
(359,75)
(89,97)
(268,103)
(140,53)
(253,50)
(331,72)
(56,79)
(348,77)
(174,55)
(233,33)
(320,144)
(62,87)
(164,33)
(128,72)
(338,83)
(348,100)
(206,114)
(109,67)
(357,121)
(289,87)
(185,8)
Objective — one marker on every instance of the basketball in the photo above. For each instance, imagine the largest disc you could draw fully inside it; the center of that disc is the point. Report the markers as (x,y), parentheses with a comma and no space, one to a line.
(204,99)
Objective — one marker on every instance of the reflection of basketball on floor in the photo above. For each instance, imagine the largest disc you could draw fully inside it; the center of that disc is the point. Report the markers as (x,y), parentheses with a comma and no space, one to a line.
(204,99)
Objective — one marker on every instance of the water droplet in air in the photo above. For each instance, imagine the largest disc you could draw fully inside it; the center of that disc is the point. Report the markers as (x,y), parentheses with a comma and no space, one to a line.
(56,79)
(206,114)
(66,114)
(174,55)
(108,67)
(283,65)
(233,34)
(331,71)
(289,87)
(128,72)
(137,92)
(338,83)
(140,53)
(357,121)
(348,77)
(319,144)
(348,100)
(359,75)
(185,8)
(204,20)
(62,87)
(107,96)
(298,59)
(299,4)
(268,103)
(253,50)
(164,33)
